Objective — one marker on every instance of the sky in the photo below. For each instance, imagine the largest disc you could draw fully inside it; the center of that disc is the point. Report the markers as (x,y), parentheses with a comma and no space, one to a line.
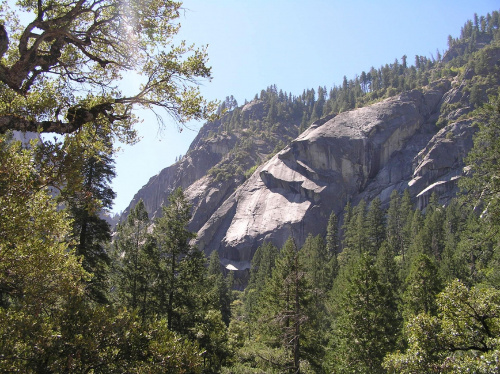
(296,45)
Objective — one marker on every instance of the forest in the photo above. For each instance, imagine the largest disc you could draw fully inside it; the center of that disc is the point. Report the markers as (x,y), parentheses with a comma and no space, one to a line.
(386,290)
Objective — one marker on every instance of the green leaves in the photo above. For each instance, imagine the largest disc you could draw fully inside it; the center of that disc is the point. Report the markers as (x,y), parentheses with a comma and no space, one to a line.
(78,49)
(463,338)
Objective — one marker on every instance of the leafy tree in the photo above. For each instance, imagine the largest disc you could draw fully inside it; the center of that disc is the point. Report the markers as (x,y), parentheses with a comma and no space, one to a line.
(212,335)
(91,46)
(39,272)
(462,338)
(82,337)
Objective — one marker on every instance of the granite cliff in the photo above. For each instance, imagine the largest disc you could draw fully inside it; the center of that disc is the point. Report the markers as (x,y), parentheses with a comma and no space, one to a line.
(251,179)
(359,154)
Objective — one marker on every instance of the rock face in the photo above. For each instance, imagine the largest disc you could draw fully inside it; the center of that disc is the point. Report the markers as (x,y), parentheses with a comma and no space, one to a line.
(358,154)
(361,154)
(190,169)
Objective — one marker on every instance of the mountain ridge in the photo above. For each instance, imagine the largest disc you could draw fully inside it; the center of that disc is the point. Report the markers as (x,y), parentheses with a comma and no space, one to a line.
(251,157)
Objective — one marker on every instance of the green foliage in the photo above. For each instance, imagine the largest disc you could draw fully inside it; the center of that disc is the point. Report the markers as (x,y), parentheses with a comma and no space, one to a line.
(221,289)
(172,240)
(375,225)
(47,324)
(285,312)
(421,287)
(136,262)
(250,171)
(482,184)
(334,305)
(87,197)
(261,270)
(37,266)
(363,330)
(82,338)
(212,335)
(57,73)
(463,338)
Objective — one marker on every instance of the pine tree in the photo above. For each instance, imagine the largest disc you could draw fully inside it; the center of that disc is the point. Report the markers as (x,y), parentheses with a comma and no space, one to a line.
(85,203)
(283,306)
(261,270)
(454,224)
(172,238)
(432,230)
(333,244)
(421,287)
(399,218)
(355,234)
(394,230)
(363,330)
(136,262)
(220,293)
(406,213)
(320,271)
(316,261)
(375,226)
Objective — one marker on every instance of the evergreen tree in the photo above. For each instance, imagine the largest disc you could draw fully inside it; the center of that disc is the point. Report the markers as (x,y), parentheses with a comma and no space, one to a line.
(375,226)
(261,270)
(454,226)
(283,308)
(399,218)
(481,185)
(394,230)
(363,330)
(333,244)
(432,233)
(421,287)
(473,252)
(319,270)
(355,234)
(220,293)
(416,246)
(85,203)
(136,262)
(316,261)
(172,238)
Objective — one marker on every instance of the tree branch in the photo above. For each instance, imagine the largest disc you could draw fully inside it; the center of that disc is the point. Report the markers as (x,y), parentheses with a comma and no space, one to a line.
(12,122)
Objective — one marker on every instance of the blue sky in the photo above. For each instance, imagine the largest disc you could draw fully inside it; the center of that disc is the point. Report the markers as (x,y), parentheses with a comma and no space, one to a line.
(295,45)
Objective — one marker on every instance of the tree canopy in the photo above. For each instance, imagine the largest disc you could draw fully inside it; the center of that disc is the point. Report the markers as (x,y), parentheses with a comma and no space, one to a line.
(62,69)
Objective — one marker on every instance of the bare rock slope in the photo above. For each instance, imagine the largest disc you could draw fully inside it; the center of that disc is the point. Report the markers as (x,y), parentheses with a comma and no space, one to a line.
(358,154)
